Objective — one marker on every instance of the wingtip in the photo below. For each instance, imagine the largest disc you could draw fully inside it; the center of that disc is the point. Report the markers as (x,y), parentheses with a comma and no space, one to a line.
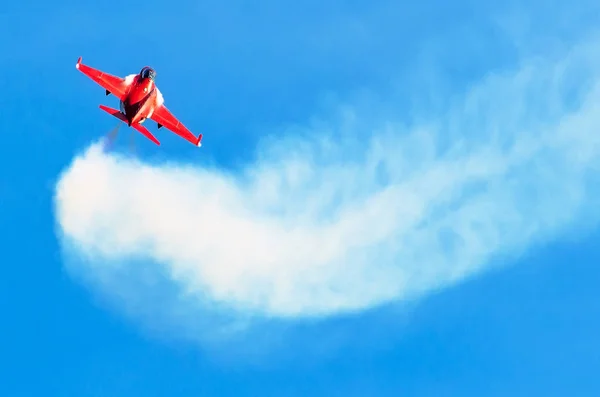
(199,143)
(78,63)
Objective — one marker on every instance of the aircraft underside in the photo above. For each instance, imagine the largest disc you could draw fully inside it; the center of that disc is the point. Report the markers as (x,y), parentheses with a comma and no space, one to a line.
(131,112)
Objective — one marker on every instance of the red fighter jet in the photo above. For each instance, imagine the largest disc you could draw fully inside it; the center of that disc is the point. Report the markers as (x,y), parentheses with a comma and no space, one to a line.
(140,99)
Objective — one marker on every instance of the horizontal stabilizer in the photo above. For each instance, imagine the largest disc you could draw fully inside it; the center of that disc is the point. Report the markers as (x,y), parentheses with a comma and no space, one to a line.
(138,127)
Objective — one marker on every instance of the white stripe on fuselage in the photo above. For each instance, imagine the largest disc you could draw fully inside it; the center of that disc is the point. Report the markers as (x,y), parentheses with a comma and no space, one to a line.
(158,101)
(159,98)
(129,79)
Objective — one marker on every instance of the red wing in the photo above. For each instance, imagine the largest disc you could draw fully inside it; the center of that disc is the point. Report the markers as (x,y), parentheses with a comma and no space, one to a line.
(113,84)
(165,118)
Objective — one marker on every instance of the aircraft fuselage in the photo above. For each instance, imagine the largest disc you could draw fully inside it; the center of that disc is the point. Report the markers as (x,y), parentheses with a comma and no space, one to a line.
(140,101)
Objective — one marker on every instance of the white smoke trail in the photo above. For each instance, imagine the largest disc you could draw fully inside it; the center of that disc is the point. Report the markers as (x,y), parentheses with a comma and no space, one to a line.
(322,226)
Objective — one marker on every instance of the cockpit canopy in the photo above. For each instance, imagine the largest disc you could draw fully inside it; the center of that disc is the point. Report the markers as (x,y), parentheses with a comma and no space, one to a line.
(148,73)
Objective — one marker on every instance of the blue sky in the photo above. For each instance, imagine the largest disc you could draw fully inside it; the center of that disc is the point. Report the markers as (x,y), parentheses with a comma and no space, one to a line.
(390,200)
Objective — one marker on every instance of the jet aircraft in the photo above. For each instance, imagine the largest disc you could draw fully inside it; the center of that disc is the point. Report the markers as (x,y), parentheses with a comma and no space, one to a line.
(140,100)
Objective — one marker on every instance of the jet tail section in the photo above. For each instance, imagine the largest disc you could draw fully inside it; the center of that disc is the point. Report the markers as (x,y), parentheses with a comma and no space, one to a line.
(140,128)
